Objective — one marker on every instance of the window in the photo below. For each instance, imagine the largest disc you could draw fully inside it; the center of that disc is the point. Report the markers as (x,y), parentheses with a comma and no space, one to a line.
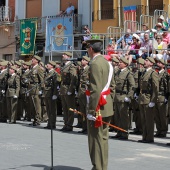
(33,8)
(7,57)
(107,11)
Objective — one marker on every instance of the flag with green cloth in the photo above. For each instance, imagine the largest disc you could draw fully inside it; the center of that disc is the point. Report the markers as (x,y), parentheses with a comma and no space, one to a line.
(28,29)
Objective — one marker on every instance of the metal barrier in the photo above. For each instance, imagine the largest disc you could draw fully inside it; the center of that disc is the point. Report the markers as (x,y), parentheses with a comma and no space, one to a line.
(114,32)
(132,25)
(157,13)
(147,19)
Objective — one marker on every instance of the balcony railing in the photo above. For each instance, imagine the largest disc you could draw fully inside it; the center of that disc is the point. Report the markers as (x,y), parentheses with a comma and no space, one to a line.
(5,14)
(41,24)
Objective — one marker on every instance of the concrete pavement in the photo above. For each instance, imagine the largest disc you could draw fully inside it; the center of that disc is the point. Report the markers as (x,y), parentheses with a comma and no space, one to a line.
(23,147)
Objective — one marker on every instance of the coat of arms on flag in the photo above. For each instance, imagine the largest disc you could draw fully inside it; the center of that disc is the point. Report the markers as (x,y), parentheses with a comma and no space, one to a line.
(59,33)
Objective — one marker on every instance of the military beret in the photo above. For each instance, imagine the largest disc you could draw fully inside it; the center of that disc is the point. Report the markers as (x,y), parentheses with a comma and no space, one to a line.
(151,60)
(86,58)
(14,68)
(42,64)
(58,62)
(37,57)
(4,63)
(115,60)
(52,63)
(141,61)
(124,60)
(28,63)
(92,42)
(17,63)
(1,60)
(68,53)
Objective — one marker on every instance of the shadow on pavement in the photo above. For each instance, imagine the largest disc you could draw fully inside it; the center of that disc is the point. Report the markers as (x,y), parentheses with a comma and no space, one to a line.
(58,167)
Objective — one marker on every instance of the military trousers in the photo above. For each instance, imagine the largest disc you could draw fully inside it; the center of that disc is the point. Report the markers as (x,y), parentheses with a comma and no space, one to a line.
(26,106)
(122,117)
(3,109)
(68,101)
(136,115)
(147,117)
(98,144)
(12,108)
(35,104)
(161,119)
(82,107)
(51,111)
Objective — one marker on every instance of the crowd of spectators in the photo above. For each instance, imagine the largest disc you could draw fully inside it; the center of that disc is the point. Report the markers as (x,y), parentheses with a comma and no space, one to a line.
(146,42)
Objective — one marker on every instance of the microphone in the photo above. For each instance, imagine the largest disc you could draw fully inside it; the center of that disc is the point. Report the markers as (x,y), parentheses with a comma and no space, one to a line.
(74,59)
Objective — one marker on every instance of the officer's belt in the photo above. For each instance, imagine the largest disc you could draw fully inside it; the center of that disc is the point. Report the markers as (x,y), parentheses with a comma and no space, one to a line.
(12,87)
(66,84)
(146,91)
(121,92)
(161,93)
(82,86)
(24,86)
(33,83)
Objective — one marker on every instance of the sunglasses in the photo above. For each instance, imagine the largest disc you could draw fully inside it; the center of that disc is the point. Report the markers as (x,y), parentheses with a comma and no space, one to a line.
(158,38)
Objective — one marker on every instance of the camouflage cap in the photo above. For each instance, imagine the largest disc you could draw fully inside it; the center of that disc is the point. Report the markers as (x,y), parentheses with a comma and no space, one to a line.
(13,67)
(140,61)
(86,58)
(92,42)
(151,60)
(28,63)
(12,62)
(21,61)
(124,60)
(4,63)
(17,63)
(68,54)
(1,60)
(115,60)
(79,63)
(162,61)
(42,64)
(58,62)
(52,63)
(37,57)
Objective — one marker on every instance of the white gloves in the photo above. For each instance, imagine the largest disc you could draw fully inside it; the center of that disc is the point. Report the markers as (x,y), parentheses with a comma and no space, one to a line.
(91,117)
(165,101)
(15,97)
(127,99)
(2,91)
(151,104)
(40,92)
(54,97)
(69,93)
(136,97)
(76,92)
(28,94)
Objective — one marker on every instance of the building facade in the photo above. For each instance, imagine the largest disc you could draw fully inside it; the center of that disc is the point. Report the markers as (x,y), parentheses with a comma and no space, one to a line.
(97,14)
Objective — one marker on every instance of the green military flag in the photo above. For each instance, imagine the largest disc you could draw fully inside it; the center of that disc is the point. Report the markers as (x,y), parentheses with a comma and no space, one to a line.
(28,28)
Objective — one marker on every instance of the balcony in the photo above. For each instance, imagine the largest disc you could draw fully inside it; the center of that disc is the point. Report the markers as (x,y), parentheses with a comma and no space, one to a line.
(5,14)
(41,25)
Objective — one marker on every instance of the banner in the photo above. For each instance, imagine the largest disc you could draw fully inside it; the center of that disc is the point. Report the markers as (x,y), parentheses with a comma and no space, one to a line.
(60,30)
(28,28)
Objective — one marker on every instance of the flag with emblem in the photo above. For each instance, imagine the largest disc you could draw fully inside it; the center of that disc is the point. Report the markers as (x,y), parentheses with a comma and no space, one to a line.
(59,34)
(28,28)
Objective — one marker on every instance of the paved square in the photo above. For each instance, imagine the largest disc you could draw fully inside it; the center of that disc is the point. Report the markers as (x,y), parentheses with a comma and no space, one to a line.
(23,147)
